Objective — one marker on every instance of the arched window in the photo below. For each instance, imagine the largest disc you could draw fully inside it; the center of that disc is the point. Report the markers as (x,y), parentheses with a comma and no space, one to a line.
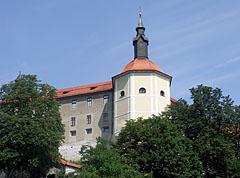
(142,90)
(162,93)
(122,94)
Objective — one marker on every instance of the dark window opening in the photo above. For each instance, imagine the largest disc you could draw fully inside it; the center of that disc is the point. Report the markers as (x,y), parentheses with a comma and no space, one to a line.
(122,94)
(142,90)
(106,129)
(89,119)
(162,93)
(92,88)
(105,117)
(89,131)
(73,133)
(73,121)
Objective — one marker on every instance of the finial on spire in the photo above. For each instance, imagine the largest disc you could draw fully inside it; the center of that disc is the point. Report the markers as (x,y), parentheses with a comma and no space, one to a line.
(140,24)
(140,42)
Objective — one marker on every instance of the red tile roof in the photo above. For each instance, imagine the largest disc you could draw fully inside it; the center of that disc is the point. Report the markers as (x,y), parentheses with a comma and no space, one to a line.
(65,163)
(85,89)
(172,100)
(92,88)
(141,64)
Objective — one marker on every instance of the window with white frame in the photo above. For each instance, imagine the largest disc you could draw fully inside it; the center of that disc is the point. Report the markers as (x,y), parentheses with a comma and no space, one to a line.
(89,101)
(74,104)
(88,119)
(105,117)
(105,99)
(73,121)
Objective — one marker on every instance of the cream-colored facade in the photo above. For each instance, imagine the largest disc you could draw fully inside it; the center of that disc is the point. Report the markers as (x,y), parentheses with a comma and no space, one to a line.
(136,103)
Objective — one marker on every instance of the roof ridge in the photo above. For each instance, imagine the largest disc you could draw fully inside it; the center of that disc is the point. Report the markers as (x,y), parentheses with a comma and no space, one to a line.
(85,86)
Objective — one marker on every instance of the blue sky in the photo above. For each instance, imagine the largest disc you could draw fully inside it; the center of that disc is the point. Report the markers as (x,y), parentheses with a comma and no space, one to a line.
(70,43)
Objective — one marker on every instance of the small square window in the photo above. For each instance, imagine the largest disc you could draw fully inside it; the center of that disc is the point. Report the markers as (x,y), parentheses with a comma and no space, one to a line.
(73,133)
(89,119)
(105,99)
(105,117)
(89,101)
(73,121)
(106,129)
(89,131)
(74,104)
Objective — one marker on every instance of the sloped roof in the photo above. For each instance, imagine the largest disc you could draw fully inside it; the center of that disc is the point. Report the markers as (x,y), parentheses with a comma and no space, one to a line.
(141,64)
(85,89)
(66,163)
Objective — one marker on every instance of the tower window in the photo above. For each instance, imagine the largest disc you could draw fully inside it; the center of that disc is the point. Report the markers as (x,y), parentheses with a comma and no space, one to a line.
(122,94)
(142,90)
(89,119)
(73,121)
(105,99)
(74,104)
(162,93)
(89,101)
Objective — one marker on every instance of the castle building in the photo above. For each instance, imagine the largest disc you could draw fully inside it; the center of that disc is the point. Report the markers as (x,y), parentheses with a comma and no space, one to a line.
(141,89)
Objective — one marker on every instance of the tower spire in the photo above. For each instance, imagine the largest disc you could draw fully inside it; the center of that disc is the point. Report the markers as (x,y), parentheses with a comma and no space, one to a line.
(140,42)
(140,24)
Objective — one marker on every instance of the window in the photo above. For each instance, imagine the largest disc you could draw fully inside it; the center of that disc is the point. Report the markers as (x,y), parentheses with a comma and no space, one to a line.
(162,93)
(142,90)
(105,99)
(105,117)
(73,133)
(89,119)
(74,104)
(73,121)
(89,131)
(122,94)
(106,129)
(89,101)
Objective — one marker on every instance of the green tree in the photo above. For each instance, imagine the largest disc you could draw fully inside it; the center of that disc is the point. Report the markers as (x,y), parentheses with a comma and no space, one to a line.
(105,162)
(30,127)
(212,123)
(156,146)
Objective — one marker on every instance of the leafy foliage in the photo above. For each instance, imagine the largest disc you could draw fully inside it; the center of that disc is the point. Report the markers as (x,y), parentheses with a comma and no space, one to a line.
(104,162)
(212,123)
(156,146)
(30,126)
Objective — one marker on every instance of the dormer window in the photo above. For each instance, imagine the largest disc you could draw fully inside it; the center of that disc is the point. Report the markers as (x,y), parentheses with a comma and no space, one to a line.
(142,90)
(122,94)
(162,93)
